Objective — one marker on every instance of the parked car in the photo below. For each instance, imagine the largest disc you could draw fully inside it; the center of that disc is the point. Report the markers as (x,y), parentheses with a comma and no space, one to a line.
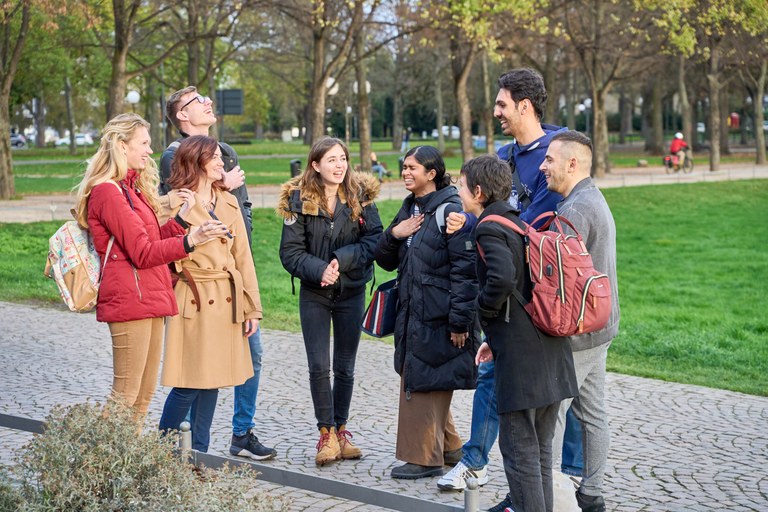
(453,130)
(18,141)
(81,139)
(701,127)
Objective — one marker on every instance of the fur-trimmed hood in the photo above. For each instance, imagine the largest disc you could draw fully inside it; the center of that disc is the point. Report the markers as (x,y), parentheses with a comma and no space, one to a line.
(293,201)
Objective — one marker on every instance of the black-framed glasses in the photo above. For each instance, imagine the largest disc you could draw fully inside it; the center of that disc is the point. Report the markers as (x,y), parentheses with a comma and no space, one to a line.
(199,98)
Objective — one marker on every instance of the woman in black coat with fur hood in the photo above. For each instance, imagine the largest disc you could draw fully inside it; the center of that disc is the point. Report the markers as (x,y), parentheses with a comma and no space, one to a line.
(330,228)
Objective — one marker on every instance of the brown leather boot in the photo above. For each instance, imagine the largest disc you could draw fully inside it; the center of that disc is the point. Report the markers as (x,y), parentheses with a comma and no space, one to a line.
(328,447)
(348,450)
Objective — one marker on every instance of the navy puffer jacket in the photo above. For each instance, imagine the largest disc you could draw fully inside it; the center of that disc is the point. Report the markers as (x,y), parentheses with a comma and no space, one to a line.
(437,289)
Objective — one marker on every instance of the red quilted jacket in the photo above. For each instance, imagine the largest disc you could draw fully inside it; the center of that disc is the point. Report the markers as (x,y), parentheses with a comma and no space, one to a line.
(136,282)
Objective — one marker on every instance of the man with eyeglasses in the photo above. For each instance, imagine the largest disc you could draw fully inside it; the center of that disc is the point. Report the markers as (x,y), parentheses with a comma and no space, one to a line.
(193,114)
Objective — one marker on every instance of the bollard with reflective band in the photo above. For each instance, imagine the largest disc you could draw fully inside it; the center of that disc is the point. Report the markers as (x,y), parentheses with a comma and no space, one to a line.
(472,496)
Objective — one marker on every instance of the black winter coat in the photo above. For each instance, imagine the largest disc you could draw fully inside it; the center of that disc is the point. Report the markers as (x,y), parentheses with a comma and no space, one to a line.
(311,238)
(437,289)
(532,369)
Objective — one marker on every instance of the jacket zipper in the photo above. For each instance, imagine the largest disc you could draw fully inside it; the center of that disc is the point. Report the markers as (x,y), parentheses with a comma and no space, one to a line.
(136,279)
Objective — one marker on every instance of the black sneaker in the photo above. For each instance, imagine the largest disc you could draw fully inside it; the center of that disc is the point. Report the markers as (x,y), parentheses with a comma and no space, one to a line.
(589,503)
(506,502)
(249,446)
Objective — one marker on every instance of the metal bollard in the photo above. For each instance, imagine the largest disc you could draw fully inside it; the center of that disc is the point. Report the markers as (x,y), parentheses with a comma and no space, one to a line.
(472,496)
(185,440)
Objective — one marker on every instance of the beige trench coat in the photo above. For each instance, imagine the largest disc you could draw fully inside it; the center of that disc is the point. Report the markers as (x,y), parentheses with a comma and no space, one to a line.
(205,346)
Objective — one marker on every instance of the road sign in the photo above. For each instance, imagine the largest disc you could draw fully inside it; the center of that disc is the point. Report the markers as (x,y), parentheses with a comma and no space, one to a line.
(229,102)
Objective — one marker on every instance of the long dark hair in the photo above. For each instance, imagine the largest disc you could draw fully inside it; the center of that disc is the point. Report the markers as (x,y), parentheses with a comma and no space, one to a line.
(189,162)
(430,158)
(311,183)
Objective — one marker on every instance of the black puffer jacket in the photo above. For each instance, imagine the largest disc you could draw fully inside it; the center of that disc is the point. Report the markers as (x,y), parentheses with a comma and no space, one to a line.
(437,290)
(311,239)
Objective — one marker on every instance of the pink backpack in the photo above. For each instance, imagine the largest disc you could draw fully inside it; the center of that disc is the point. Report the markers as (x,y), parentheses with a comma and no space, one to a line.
(569,295)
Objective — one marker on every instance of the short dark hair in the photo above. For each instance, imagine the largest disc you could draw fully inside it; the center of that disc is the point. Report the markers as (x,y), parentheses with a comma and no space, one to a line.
(172,105)
(430,158)
(573,136)
(525,83)
(492,174)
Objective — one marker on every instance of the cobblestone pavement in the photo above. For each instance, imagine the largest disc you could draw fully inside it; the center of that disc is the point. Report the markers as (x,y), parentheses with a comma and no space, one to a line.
(35,208)
(674,447)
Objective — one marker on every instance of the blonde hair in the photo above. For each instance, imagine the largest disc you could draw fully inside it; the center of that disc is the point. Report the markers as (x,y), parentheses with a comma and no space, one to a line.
(110,163)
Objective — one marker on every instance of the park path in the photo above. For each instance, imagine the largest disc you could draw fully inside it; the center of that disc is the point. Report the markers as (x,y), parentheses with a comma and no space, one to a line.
(34,208)
(674,447)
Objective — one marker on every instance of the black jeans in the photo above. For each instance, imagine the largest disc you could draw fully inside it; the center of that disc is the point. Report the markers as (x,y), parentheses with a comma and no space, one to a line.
(317,308)
(525,441)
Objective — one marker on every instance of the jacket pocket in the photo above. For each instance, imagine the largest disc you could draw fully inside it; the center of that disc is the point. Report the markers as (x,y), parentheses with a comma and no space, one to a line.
(436,298)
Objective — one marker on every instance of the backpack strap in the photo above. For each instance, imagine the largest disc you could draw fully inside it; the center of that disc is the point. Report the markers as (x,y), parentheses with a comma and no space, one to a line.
(440,217)
(498,219)
(522,195)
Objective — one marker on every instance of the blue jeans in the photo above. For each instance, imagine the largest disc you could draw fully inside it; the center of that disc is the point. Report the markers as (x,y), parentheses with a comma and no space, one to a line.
(485,419)
(245,393)
(317,308)
(177,407)
(573,448)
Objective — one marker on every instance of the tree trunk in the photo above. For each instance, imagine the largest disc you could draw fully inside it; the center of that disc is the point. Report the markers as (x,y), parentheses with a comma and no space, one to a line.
(725,131)
(488,119)
(12,49)
(317,108)
(570,103)
(657,120)
(38,111)
(685,104)
(217,130)
(7,189)
(757,107)
(440,113)
(600,163)
(362,106)
(623,117)
(70,114)
(193,45)
(713,81)
(461,72)
(397,97)
(118,83)
(551,82)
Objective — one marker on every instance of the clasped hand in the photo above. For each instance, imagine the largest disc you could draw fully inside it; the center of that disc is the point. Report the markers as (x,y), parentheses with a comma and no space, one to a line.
(330,274)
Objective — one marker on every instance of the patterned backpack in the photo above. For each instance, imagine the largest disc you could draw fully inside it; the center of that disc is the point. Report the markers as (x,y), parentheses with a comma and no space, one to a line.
(75,266)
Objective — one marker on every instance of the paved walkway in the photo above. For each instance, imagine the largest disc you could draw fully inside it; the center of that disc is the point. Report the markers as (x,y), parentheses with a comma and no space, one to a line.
(56,207)
(675,448)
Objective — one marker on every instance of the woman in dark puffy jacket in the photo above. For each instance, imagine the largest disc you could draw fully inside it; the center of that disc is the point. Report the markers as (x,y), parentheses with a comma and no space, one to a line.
(118,198)
(330,228)
(436,333)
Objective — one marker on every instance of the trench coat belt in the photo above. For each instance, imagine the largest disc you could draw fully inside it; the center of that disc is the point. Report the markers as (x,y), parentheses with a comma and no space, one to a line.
(194,275)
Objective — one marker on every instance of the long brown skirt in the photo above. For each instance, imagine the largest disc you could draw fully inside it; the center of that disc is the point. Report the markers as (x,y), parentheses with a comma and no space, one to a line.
(425,428)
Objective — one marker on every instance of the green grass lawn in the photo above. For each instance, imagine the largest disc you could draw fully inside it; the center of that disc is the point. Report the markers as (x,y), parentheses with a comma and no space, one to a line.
(692,280)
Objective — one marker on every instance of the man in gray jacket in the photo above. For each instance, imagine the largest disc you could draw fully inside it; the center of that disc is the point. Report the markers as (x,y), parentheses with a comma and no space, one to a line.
(567,168)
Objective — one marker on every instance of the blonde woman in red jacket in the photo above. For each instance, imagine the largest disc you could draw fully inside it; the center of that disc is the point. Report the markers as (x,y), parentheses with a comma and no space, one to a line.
(117,198)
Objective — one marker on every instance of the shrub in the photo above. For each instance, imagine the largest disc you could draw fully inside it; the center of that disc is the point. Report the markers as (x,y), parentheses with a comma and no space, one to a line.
(90,459)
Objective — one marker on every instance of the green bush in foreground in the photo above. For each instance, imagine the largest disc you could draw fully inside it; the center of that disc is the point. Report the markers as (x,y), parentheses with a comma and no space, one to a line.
(87,461)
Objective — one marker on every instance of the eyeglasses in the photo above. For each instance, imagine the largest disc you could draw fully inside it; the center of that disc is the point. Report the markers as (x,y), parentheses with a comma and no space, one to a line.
(200,99)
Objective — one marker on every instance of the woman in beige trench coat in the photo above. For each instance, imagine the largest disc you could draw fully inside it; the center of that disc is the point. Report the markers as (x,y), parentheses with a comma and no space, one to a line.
(206,345)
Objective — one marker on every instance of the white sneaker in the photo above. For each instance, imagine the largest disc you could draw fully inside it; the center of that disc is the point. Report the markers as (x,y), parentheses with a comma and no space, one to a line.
(456,478)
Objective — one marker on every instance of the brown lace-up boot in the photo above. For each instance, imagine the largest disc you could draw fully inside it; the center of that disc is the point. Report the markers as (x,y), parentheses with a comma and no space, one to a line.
(327,447)
(348,450)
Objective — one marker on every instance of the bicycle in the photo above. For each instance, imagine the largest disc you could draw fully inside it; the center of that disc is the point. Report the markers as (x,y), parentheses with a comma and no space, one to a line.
(671,163)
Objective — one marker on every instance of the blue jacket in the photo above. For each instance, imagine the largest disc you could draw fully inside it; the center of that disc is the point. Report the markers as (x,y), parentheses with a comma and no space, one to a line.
(528,159)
